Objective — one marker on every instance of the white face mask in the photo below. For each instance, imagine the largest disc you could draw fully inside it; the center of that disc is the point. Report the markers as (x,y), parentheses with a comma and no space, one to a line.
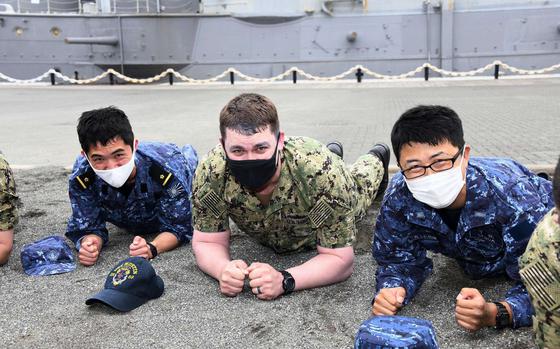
(117,176)
(439,189)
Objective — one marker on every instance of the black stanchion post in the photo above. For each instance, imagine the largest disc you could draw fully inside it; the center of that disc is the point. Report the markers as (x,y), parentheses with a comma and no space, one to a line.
(359,75)
(170,75)
(52,79)
(111,78)
(496,71)
(231,77)
(294,76)
(426,73)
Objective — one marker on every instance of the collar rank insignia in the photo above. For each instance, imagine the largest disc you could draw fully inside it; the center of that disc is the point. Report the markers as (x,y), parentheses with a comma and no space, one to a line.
(85,180)
(160,175)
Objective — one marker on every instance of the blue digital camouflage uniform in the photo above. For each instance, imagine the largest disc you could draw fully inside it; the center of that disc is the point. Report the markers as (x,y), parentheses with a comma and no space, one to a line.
(381,332)
(505,201)
(159,201)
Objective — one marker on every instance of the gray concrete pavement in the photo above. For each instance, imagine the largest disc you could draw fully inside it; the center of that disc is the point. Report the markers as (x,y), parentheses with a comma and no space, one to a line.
(49,312)
(515,118)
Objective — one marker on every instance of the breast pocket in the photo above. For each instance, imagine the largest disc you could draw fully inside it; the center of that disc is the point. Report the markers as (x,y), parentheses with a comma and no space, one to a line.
(297,224)
(482,245)
(427,240)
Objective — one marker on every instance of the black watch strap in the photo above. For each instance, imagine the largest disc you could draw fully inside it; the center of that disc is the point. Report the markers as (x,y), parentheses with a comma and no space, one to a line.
(153,249)
(502,316)
(289,283)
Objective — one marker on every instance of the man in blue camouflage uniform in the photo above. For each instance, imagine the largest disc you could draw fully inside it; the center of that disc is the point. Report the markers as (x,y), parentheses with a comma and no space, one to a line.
(479,211)
(144,188)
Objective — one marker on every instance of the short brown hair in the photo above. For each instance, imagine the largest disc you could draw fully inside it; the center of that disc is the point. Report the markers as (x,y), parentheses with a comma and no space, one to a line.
(248,114)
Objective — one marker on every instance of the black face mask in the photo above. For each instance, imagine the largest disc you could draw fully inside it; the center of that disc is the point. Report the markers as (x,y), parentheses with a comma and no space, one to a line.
(254,174)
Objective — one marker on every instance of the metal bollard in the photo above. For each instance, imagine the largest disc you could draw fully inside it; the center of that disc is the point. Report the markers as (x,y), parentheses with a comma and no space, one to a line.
(359,75)
(231,77)
(496,71)
(52,79)
(111,78)
(170,75)
(294,76)
(426,73)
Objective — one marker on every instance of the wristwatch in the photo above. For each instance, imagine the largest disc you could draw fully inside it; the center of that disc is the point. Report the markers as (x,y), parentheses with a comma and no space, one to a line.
(153,249)
(288,284)
(502,316)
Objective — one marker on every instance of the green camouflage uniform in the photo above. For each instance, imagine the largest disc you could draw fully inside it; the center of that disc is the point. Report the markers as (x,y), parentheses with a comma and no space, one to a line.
(540,270)
(8,198)
(316,202)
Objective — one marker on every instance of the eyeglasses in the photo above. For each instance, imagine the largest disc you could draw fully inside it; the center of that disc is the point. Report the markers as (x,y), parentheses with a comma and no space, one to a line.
(437,166)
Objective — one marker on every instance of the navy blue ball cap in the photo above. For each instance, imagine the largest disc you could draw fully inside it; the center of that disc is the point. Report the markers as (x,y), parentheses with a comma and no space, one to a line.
(388,332)
(130,284)
(48,256)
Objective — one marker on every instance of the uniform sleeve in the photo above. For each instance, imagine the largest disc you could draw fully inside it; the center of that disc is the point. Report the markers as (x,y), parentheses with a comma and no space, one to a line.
(8,197)
(529,206)
(520,303)
(87,217)
(209,208)
(401,261)
(175,211)
(333,208)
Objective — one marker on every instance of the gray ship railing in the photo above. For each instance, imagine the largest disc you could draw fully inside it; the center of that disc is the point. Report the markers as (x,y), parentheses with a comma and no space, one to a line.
(359,71)
(104,7)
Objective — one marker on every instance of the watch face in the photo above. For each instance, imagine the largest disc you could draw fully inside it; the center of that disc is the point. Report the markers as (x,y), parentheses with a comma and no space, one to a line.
(502,317)
(289,283)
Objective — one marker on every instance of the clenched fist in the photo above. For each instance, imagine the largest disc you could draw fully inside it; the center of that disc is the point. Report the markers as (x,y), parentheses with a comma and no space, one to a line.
(233,278)
(388,301)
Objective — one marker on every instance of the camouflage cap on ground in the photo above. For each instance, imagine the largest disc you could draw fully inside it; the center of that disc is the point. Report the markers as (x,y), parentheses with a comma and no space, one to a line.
(48,256)
(387,332)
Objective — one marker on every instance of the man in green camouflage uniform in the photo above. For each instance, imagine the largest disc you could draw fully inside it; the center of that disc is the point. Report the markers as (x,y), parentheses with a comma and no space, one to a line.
(289,194)
(540,271)
(8,209)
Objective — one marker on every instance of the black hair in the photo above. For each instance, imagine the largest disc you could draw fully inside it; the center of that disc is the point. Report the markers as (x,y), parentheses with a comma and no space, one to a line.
(556,185)
(427,124)
(103,125)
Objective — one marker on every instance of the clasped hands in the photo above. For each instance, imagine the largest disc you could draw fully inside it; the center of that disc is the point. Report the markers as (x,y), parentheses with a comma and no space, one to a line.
(264,280)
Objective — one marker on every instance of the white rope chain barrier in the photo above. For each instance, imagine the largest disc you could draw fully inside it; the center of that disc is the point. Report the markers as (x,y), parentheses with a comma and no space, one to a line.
(354,70)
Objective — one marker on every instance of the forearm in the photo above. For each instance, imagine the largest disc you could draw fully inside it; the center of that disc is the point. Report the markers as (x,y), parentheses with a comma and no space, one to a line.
(323,269)
(211,257)
(4,253)
(78,236)
(520,307)
(165,241)
(409,277)
(6,244)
